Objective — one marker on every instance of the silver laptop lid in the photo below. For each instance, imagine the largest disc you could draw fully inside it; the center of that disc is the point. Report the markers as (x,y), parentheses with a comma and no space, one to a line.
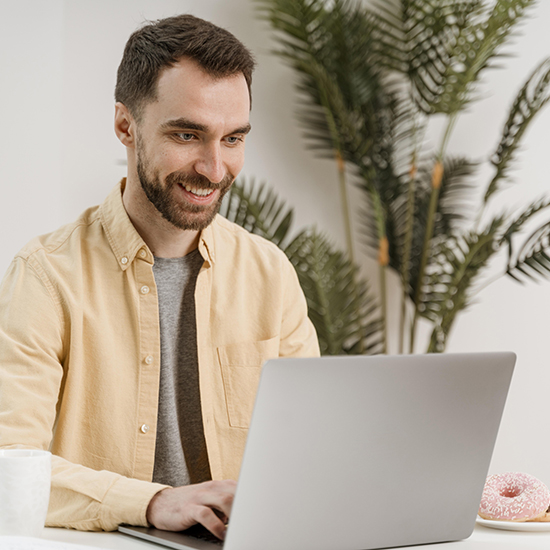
(368,452)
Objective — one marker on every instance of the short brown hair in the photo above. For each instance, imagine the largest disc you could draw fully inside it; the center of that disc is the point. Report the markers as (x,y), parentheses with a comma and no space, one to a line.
(161,44)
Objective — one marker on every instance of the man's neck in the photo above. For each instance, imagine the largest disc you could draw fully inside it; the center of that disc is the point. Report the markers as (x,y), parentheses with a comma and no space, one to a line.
(163,239)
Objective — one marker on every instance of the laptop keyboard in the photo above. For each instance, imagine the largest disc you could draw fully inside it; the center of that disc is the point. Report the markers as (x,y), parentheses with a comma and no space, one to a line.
(201,533)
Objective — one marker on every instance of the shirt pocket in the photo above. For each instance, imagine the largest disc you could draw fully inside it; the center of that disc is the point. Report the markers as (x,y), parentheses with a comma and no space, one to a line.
(241,367)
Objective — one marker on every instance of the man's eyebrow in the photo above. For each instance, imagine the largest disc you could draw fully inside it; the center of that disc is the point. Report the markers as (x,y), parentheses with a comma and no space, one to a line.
(186,124)
(242,130)
(183,124)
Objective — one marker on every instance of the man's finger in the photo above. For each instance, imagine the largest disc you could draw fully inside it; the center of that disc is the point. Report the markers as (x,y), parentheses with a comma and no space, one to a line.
(221,515)
(207,518)
(219,495)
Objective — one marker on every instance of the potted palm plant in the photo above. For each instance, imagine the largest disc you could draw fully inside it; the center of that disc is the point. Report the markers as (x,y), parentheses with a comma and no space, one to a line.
(370,81)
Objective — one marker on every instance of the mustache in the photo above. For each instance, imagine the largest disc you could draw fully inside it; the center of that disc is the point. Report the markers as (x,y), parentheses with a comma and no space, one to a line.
(198,180)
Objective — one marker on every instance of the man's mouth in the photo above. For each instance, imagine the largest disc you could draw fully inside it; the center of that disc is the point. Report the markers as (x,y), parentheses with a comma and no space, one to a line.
(198,191)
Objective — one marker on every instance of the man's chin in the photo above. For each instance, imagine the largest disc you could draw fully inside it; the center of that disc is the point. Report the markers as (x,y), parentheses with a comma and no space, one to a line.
(194,221)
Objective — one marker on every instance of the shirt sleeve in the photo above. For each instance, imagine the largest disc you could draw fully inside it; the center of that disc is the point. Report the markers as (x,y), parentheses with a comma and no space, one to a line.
(298,336)
(32,354)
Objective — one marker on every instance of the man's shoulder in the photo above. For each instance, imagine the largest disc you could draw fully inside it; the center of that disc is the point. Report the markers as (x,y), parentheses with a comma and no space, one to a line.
(55,241)
(237,238)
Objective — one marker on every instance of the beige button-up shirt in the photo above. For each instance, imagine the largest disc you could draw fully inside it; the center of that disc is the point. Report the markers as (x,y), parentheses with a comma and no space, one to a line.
(80,355)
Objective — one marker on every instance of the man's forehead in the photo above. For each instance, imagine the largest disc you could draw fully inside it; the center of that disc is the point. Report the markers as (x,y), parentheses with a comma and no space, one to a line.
(186,92)
(186,74)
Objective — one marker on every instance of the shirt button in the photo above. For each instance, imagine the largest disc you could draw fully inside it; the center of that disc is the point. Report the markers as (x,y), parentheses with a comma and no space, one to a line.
(144,289)
(142,253)
(149,359)
(144,428)
(124,260)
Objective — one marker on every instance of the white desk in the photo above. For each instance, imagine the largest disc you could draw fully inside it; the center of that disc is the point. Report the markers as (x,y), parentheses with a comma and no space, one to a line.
(482,539)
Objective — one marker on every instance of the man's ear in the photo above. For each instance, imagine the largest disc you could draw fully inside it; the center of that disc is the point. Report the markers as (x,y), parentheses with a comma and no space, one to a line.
(125,125)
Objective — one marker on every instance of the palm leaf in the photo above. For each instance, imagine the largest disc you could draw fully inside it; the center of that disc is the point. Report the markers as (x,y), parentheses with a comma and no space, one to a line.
(456,264)
(345,99)
(475,48)
(533,259)
(329,125)
(515,225)
(454,210)
(455,201)
(258,209)
(340,306)
(534,94)
(444,45)
(303,35)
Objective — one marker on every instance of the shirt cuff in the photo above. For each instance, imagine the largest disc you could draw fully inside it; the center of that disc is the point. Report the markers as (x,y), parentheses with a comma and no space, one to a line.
(126,502)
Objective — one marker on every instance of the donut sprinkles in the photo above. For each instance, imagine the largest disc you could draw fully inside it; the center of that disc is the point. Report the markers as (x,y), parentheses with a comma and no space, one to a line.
(514,497)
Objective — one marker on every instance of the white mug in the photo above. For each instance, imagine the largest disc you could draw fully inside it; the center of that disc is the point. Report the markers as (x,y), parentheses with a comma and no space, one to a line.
(25,478)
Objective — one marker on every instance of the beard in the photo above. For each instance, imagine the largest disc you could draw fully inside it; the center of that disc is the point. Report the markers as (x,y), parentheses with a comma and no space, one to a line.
(165,198)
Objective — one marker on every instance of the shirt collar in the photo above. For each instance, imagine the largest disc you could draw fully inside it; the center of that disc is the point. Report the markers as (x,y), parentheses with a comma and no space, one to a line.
(206,242)
(125,241)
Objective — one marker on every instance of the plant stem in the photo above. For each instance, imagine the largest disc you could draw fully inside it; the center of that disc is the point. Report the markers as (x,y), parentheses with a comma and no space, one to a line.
(333,127)
(383,260)
(488,283)
(437,170)
(347,221)
(407,245)
(383,295)
(345,204)
(343,189)
(437,176)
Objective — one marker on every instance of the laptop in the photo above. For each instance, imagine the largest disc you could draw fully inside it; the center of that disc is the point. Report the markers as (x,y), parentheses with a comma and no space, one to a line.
(363,452)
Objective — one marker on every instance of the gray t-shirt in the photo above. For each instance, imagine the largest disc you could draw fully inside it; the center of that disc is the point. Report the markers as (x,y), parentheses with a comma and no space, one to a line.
(180,454)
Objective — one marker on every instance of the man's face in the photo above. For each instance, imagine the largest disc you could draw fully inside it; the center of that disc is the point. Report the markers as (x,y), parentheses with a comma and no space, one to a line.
(190,143)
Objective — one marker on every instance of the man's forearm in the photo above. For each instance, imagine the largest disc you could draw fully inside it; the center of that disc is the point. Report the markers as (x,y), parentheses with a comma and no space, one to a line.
(89,500)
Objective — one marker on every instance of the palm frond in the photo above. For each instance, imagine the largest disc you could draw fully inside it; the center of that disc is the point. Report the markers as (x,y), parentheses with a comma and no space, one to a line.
(346,101)
(454,210)
(329,124)
(444,45)
(456,264)
(516,224)
(391,43)
(455,201)
(475,48)
(340,306)
(533,259)
(302,35)
(257,208)
(534,94)
(456,198)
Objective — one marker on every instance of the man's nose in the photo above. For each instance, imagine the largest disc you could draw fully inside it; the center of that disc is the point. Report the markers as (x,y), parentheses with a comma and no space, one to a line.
(210,163)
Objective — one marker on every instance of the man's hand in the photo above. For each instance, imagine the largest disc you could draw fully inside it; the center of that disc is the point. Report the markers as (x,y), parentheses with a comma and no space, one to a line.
(179,508)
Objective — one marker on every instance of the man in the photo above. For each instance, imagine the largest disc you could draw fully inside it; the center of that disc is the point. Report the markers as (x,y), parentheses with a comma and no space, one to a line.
(131,341)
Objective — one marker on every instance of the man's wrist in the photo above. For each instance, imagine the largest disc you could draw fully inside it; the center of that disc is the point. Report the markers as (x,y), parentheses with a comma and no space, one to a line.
(149,513)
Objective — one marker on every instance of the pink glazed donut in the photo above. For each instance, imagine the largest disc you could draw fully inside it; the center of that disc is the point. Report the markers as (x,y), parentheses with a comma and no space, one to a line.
(514,497)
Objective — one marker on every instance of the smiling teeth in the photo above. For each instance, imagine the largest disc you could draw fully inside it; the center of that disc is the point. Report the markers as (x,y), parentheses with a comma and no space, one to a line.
(199,192)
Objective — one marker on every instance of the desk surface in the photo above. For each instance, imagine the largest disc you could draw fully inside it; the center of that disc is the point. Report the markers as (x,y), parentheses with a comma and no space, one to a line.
(482,539)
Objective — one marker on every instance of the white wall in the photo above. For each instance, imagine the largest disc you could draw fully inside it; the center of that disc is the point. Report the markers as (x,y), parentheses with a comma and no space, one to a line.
(59,155)
(31,46)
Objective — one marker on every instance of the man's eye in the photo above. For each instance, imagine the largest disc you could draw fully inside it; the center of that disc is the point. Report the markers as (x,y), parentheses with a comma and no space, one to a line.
(184,136)
(233,140)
